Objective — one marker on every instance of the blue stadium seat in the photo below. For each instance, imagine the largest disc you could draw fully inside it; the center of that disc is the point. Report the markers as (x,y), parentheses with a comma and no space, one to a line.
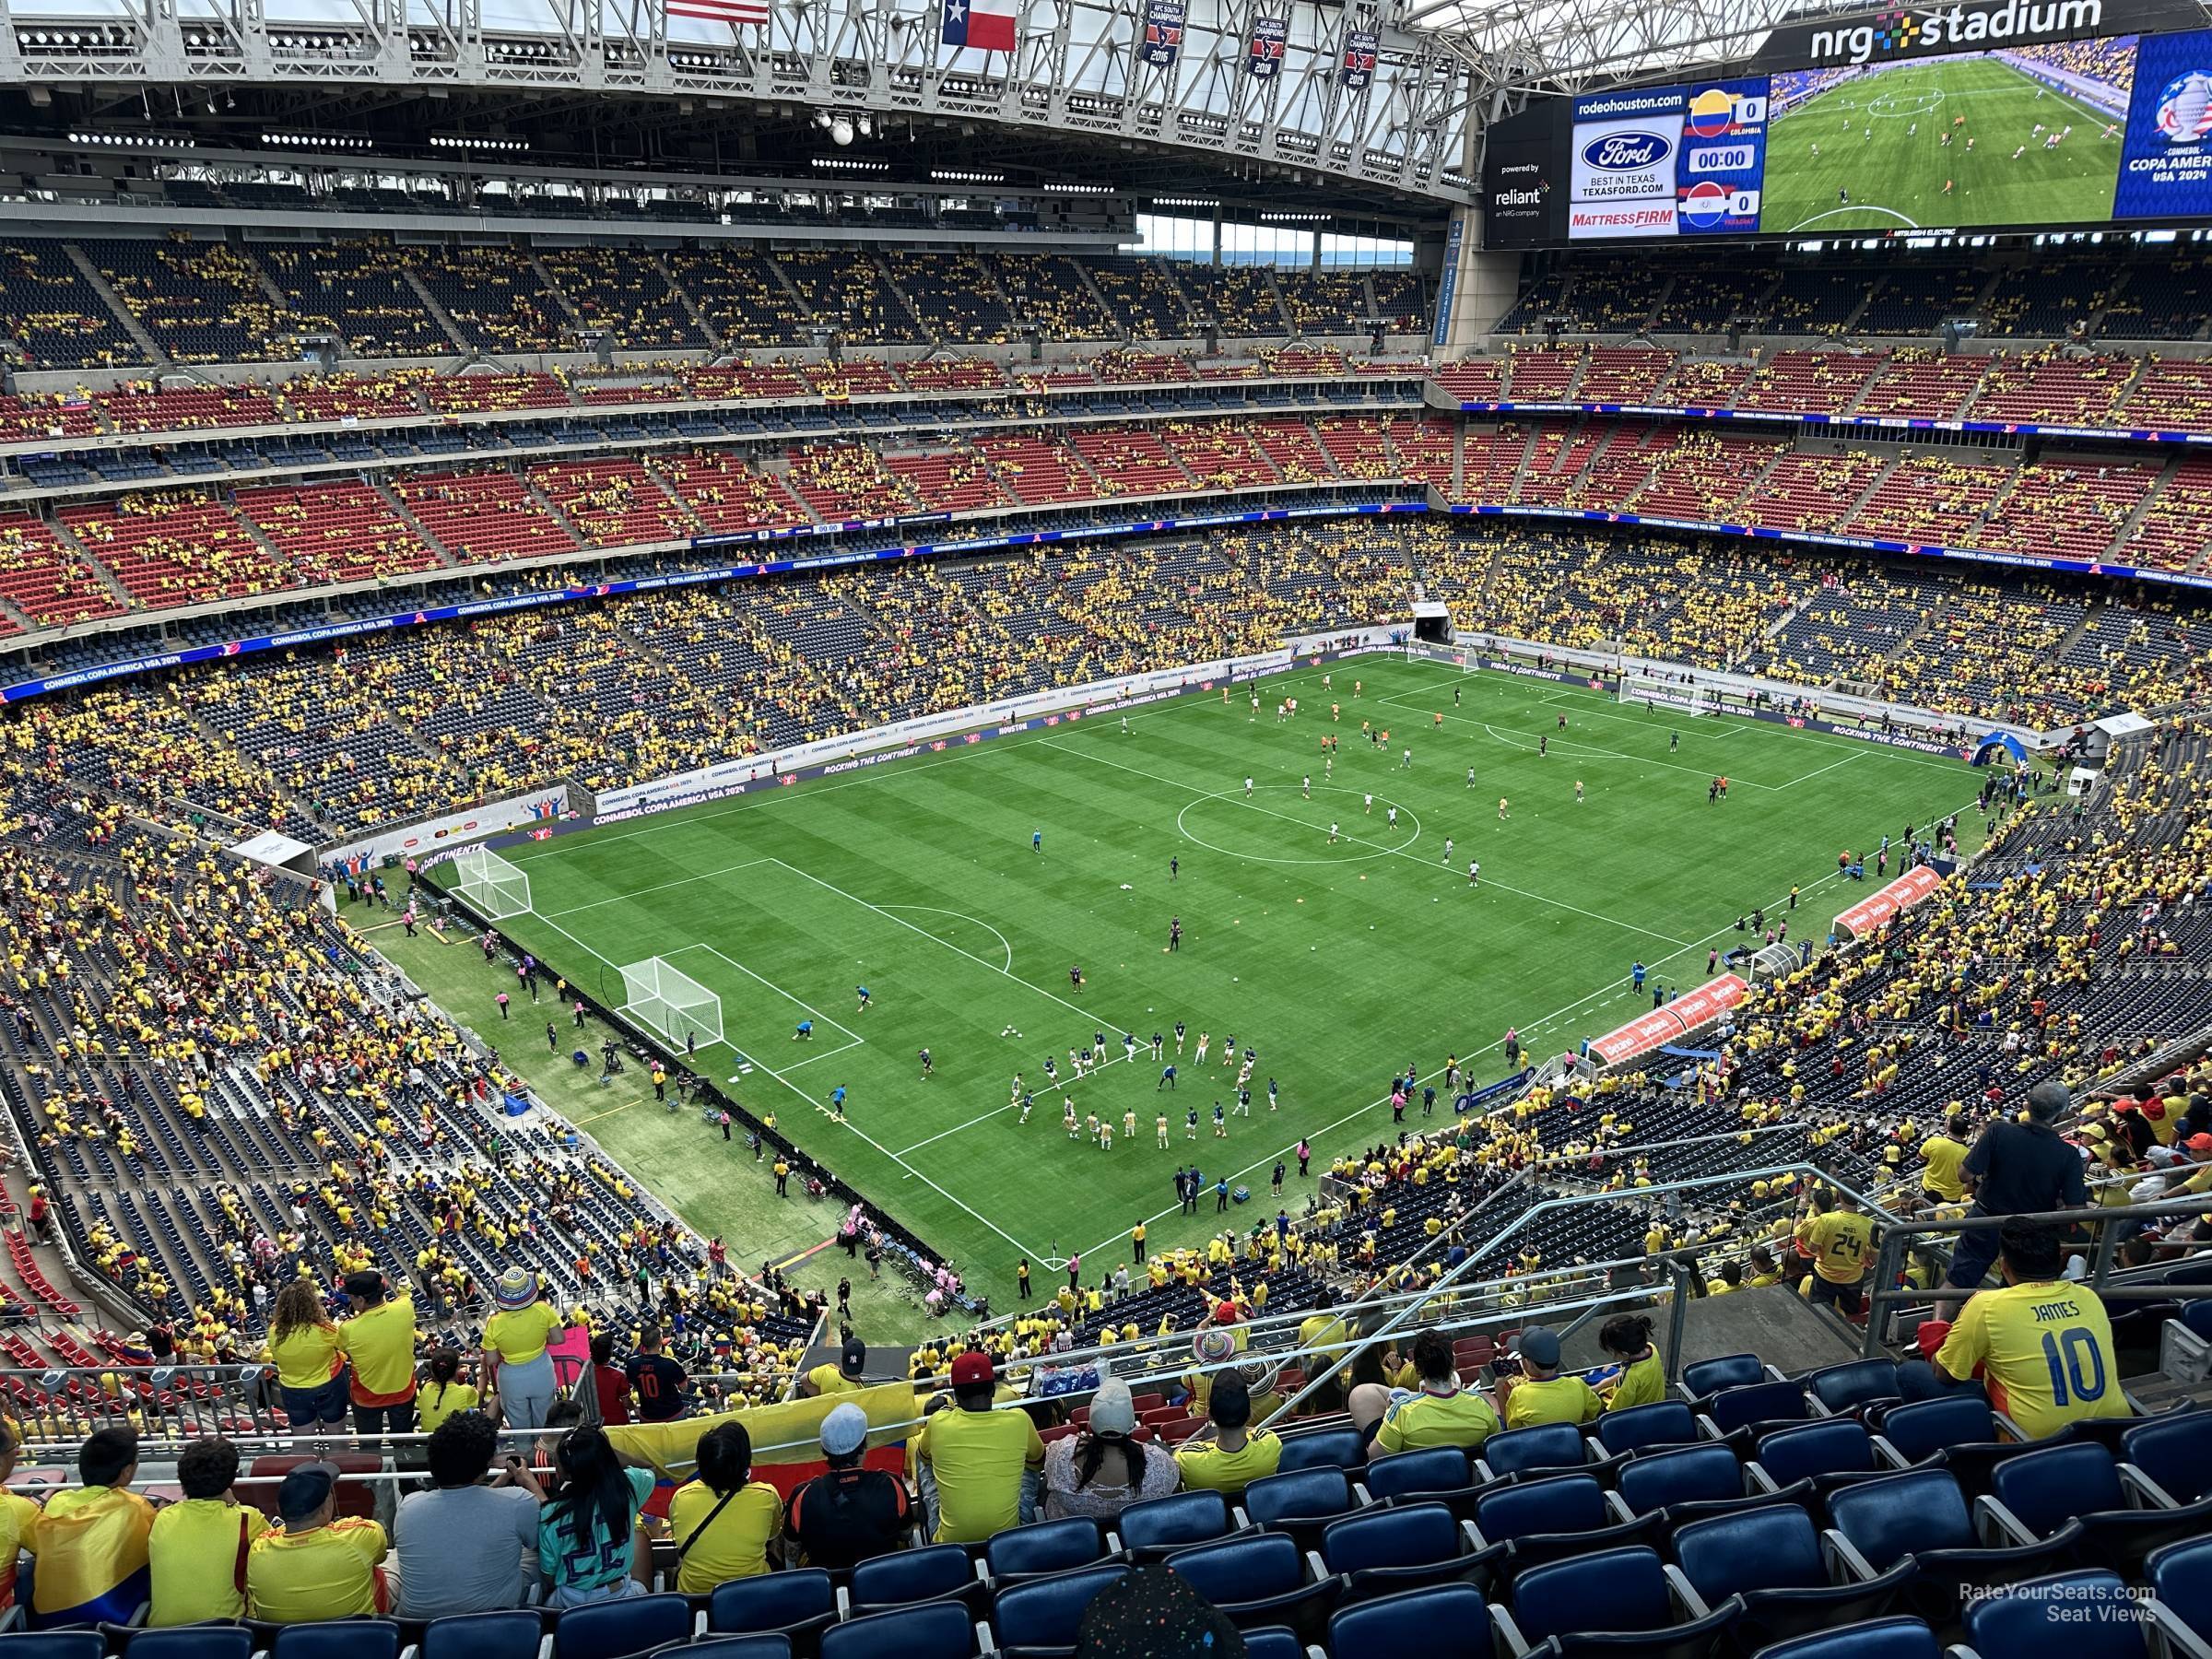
(1620,1601)
(1044,1615)
(1918,1430)
(1329,1449)
(1858,1382)
(1875,1639)
(942,1630)
(1299,1503)
(1831,1452)
(1962,1431)
(1150,1529)
(799,1603)
(1734,1409)
(213,1642)
(1563,1503)
(1260,1581)
(1273,1643)
(617,1629)
(1922,1513)
(1770,1559)
(1664,1480)
(1544,1446)
(515,1633)
(53,1644)
(2174,1452)
(1662,1423)
(1729,1371)
(1447,1622)
(1569,1515)
(1386,1551)
(1020,1553)
(2044,1491)
(2180,1577)
(1435,1469)
(343,1639)
(2063,1615)
(737,1647)
(906,1577)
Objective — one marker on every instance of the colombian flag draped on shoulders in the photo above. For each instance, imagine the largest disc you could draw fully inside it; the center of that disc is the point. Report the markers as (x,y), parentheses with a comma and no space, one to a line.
(787,1444)
(91,1558)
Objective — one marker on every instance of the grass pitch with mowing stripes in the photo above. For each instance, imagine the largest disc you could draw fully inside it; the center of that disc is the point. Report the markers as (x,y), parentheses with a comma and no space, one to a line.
(1883,164)
(1338,961)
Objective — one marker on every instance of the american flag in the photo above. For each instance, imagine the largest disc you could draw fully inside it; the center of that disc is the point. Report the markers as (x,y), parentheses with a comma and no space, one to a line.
(736,13)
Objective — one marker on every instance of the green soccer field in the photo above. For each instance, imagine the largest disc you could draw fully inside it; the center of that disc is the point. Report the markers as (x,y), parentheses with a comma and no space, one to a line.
(1894,179)
(1340,962)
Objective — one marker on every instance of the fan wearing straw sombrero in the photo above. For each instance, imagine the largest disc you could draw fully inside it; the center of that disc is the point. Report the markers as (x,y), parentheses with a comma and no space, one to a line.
(516,1366)
(1213,1348)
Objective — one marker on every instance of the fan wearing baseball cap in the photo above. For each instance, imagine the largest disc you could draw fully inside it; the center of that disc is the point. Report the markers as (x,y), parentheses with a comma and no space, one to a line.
(1540,1394)
(852,1512)
(2199,1148)
(320,1565)
(850,1371)
(978,1468)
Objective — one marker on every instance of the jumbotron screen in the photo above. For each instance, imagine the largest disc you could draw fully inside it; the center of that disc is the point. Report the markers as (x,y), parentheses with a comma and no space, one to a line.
(2038,134)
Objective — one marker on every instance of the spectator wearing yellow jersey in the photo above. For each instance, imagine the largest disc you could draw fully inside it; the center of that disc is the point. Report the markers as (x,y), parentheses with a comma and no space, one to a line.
(1841,1242)
(2040,1346)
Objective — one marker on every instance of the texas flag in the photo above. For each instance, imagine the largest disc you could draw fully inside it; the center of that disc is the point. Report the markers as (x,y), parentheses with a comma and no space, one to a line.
(979,25)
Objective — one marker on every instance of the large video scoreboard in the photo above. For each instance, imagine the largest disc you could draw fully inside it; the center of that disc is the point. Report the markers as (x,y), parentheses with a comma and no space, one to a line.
(2005,114)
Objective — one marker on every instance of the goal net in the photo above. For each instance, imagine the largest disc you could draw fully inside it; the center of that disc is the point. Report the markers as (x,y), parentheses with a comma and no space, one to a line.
(492,885)
(673,1003)
(1673,696)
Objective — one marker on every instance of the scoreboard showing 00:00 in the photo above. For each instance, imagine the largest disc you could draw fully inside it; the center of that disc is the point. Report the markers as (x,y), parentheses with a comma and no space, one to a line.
(1925,124)
(1668,161)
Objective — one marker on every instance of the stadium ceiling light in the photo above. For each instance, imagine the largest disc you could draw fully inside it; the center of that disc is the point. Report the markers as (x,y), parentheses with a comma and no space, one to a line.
(841,131)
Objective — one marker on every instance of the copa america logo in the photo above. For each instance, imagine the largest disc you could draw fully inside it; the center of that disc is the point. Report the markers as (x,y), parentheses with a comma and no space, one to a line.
(2185,107)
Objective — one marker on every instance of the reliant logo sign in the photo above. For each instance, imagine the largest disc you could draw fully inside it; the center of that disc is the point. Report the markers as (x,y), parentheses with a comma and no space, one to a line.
(1924,31)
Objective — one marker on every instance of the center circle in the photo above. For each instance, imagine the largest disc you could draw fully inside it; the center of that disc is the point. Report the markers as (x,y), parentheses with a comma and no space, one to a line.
(1227,807)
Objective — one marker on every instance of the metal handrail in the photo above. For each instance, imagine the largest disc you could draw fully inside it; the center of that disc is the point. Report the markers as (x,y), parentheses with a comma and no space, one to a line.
(1885,1292)
(1398,1321)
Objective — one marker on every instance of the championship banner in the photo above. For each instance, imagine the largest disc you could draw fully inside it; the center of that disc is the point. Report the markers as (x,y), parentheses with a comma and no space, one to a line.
(1669,1022)
(1358,72)
(1264,56)
(1900,896)
(787,1436)
(1163,33)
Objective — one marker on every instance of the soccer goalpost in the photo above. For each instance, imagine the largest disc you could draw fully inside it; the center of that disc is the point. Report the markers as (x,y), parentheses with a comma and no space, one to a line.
(673,1003)
(495,888)
(1671,695)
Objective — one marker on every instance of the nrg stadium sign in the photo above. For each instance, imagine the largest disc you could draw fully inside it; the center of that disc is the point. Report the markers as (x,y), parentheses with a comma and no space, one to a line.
(1907,32)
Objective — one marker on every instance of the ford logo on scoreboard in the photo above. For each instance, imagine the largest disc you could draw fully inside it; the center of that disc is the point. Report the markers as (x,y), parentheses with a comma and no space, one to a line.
(1627,152)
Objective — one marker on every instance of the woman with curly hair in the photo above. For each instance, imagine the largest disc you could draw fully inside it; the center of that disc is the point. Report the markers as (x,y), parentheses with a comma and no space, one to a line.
(310,1372)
